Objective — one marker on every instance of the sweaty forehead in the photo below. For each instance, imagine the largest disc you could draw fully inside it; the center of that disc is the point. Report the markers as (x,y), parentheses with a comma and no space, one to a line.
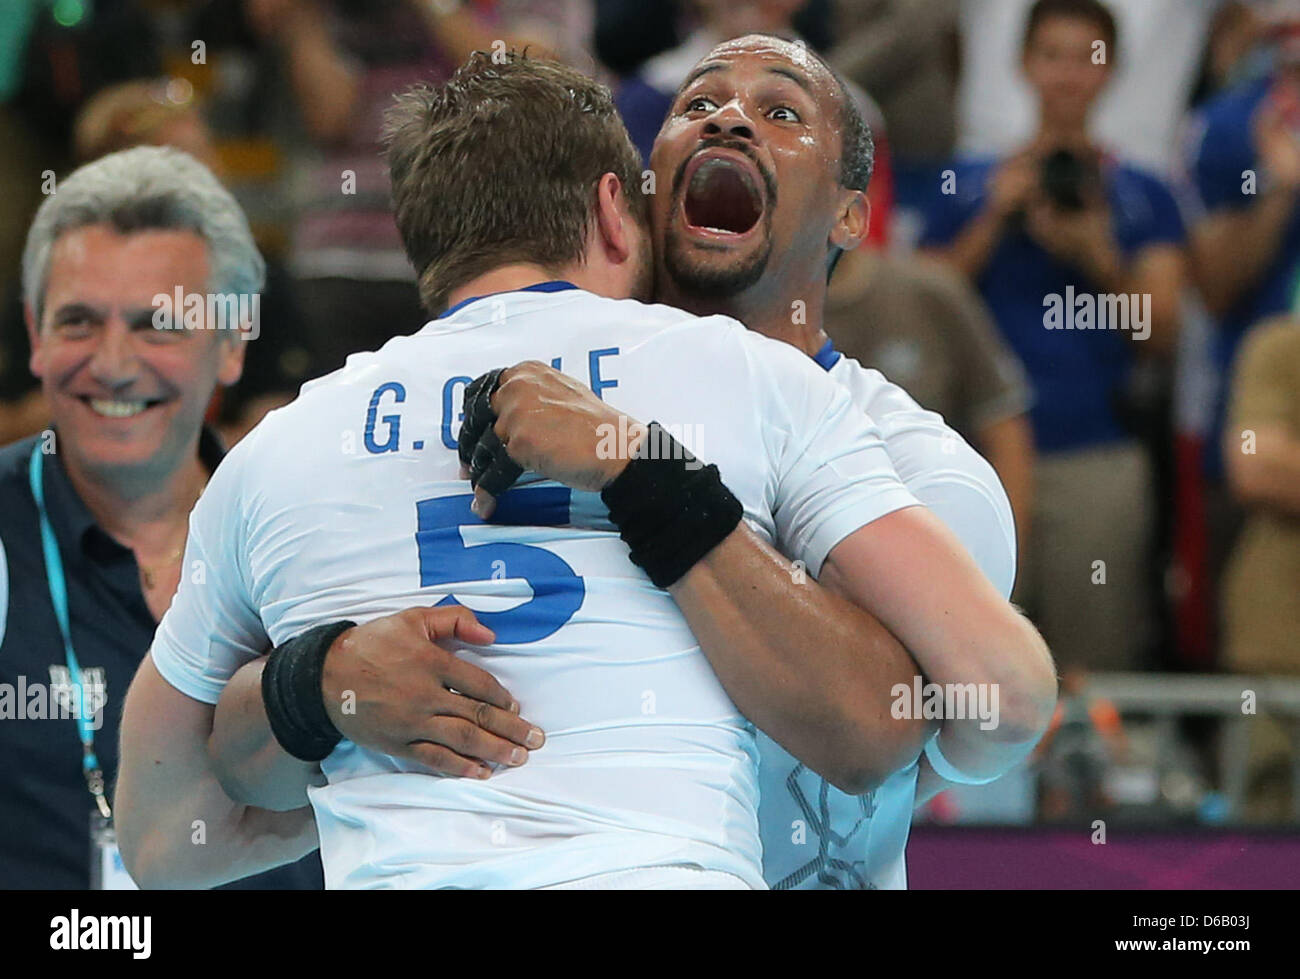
(758,52)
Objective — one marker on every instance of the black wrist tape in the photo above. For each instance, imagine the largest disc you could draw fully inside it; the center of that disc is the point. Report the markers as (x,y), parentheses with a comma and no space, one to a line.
(291,691)
(669,508)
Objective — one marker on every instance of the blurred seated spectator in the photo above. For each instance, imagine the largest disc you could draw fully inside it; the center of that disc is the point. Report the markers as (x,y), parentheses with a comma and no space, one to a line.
(1233,54)
(1261,595)
(929,332)
(1203,518)
(559,29)
(71,52)
(904,54)
(345,59)
(1245,164)
(48,66)
(1262,449)
(140,112)
(1079,257)
(343,64)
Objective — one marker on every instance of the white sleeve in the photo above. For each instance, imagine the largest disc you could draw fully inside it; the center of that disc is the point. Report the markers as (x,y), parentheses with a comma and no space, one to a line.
(942,470)
(212,627)
(834,474)
(974,506)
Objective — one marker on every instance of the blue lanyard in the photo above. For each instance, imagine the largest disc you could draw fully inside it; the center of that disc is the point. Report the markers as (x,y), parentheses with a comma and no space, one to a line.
(59,599)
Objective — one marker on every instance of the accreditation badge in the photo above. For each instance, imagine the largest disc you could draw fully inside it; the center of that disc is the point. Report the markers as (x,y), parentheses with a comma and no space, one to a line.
(107,872)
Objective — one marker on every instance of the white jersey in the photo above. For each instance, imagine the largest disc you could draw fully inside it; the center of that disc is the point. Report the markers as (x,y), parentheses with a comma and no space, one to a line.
(347,504)
(815,836)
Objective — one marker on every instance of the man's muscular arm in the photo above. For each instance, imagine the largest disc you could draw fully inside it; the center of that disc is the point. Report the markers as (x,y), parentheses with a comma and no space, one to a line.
(812,669)
(962,632)
(807,666)
(167,793)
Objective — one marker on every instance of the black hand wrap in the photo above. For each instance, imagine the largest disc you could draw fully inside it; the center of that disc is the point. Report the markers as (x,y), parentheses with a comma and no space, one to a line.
(291,691)
(670,509)
(490,465)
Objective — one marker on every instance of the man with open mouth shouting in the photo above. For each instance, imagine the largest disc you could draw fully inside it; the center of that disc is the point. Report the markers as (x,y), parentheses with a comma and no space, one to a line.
(767,160)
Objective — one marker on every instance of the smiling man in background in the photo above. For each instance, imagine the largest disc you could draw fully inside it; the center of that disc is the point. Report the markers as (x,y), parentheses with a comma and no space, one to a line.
(93,513)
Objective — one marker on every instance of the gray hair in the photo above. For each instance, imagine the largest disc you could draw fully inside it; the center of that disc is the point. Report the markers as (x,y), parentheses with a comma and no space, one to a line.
(140,189)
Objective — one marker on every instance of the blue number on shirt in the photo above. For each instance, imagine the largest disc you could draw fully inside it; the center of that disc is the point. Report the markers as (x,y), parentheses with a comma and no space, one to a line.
(445,558)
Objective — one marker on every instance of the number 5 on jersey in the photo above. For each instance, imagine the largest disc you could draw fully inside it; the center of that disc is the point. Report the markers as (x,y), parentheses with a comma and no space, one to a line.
(445,558)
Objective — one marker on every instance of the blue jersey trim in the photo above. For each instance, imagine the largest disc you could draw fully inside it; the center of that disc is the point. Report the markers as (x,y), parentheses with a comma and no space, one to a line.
(827,357)
(557,285)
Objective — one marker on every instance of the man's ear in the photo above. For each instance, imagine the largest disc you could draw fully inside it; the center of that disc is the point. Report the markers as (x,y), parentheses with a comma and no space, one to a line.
(230,365)
(613,219)
(854,222)
(35,362)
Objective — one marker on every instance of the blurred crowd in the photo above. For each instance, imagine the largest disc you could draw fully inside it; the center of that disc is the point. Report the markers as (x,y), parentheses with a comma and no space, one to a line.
(1085,247)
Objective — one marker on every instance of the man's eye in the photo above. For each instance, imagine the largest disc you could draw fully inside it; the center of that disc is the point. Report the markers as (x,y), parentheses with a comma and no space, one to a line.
(75,329)
(784,113)
(158,327)
(700,104)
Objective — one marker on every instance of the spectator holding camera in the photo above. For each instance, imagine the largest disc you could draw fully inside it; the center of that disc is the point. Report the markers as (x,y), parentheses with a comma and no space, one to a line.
(1079,257)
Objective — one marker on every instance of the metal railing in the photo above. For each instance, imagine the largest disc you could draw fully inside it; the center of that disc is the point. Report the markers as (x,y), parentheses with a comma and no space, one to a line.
(1169,696)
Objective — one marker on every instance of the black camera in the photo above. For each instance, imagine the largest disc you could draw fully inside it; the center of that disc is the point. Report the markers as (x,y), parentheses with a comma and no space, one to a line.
(1069,180)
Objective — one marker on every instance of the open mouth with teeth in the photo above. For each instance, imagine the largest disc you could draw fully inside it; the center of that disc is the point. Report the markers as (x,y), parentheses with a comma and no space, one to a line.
(117,407)
(722,197)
